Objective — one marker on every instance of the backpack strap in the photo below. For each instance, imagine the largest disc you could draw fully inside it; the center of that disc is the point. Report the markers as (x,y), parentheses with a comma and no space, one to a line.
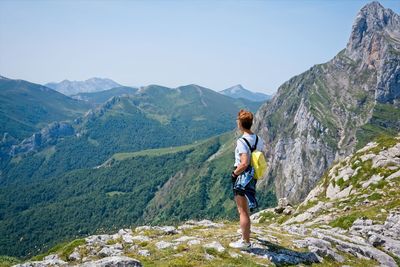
(248,144)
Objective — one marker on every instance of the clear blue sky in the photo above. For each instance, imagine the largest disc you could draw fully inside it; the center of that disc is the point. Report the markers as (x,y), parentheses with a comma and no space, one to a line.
(216,44)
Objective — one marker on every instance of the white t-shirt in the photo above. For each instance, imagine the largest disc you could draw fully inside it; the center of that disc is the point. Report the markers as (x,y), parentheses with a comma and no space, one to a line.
(242,147)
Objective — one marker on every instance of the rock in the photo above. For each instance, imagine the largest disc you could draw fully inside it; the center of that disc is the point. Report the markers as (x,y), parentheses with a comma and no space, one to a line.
(205,223)
(118,261)
(43,263)
(208,256)
(299,218)
(142,228)
(393,175)
(255,217)
(74,256)
(288,210)
(358,250)
(169,230)
(193,242)
(184,238)
(163,244)
(98,240)
(234,255)
(215,245)
(373,180)
(144,252)
(110,251)
(141,238)
(296,229)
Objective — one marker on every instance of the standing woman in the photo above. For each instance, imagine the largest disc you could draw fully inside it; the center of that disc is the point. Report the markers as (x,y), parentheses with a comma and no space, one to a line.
(244,184)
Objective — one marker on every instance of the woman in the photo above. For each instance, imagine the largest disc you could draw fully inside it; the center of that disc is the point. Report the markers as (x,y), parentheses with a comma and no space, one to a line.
(244,184)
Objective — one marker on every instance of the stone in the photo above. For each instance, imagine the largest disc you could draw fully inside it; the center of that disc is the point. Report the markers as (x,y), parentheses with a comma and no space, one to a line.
(163,244)
(393,175)
(169,230)
(234,255)
(144,252)
(127,238)
(373,180)
(288,210)
(215,245)
(193,242)
(110,251)
(142,228)
(141,238)
(184,239)
(74,256)
(98,240)
(299,218)
(43,263)
(118,261)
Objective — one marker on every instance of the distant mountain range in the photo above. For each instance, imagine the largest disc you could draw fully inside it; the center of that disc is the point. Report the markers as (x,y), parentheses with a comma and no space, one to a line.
(27,107)
(97,98)
(74,87)
(152,117)
(238,91)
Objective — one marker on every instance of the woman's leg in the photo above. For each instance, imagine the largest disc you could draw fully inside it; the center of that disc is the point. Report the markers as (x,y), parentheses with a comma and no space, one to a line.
(243,209)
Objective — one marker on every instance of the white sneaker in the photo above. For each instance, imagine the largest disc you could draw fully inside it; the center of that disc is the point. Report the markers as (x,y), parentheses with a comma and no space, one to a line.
(241,244)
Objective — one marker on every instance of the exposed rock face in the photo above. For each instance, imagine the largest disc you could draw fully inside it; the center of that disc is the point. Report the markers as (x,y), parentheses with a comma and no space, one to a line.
(314,117)
(47,136)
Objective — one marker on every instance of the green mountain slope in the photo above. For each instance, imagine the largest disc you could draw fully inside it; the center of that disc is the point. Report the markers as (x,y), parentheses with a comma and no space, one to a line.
(165,185)
(350,218)
(26,107)
(153,118)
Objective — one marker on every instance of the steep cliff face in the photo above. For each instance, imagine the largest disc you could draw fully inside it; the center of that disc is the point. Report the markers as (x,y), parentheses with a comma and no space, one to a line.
(317,117)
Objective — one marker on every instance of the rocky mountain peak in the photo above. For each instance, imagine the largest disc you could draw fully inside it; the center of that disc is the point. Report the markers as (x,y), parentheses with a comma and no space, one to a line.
(373,28)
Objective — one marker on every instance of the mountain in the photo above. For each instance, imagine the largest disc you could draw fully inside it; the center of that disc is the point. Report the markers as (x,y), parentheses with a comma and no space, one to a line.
(65,157)
(351,218)
(27,107)
(327,112)
(74,87)
(238,91)
(97,98)
(154,117)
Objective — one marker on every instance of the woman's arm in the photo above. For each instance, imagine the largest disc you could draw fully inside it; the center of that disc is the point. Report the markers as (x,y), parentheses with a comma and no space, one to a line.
(243,164)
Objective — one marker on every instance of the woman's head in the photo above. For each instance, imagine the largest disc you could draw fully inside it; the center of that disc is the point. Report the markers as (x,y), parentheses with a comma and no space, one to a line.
(245,119)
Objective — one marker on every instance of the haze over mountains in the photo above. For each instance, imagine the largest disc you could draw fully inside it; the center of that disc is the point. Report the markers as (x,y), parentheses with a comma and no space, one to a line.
(74,87)
(238,91)
(126,156)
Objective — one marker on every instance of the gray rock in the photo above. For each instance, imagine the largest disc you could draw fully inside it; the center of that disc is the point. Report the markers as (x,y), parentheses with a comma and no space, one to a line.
(163,244)
(43,263)
(110,251)
(115,261)
(215,245)
(74,256)
(144,252)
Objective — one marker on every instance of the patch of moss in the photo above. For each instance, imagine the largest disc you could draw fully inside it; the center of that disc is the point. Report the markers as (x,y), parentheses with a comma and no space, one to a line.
(375,196)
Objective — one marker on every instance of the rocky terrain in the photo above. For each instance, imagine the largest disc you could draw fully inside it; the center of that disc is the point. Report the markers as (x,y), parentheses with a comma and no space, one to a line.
(351,218)
(332,109)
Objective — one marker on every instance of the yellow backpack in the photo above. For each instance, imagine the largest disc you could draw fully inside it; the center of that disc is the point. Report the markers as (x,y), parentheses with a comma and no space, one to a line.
(257,160)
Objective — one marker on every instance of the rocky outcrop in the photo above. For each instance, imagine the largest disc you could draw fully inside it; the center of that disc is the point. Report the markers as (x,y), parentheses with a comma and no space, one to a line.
(46,137)
(315,117)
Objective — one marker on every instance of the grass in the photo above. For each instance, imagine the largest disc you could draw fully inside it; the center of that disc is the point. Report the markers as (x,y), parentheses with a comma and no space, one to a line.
(62,249)
(6,261)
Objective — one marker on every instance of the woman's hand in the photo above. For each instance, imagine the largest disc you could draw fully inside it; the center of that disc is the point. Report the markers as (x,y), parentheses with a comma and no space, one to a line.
(242,166)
